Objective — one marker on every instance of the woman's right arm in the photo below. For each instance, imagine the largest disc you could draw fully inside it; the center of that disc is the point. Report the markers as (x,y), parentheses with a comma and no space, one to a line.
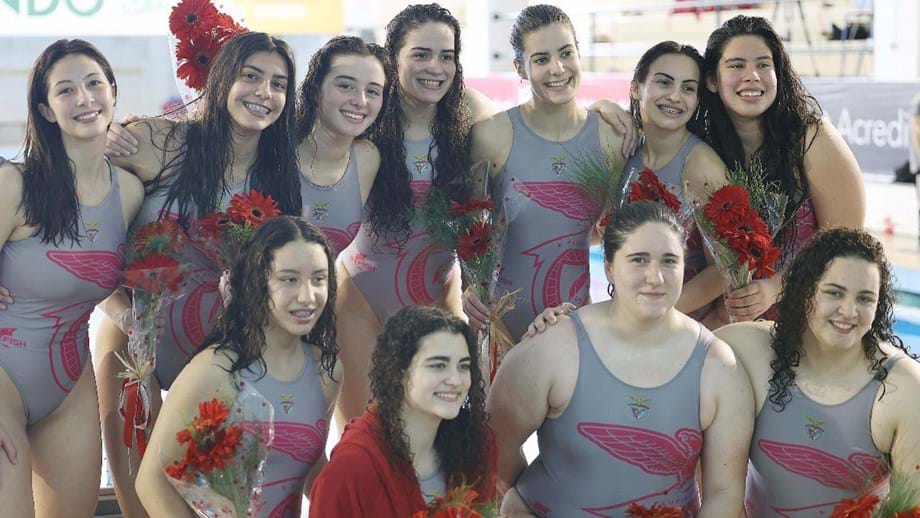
(11,216)
(201,380)
(519,400)
(150,153)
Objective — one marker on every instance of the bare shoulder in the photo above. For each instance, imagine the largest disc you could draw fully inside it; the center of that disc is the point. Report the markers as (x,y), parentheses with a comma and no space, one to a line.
(825,146)
(703,167)
(904,374)
(367,156)
(12,184)
(207,368)
(492,138)
(480,106)
(611,141)
(750,341)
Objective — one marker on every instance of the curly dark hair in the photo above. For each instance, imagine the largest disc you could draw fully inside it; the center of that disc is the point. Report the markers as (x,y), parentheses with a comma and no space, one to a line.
(785,123)
(461,443)
(532,18)
(241,327)
(49,196)
(389,206)
(800,284)
(205,143)
(640,74)
(308,92)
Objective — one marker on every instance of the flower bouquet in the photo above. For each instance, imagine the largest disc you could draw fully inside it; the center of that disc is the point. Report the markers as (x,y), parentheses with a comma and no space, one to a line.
(220,473)
(221,234)
(902,501)
(475,231)
(739,222)
(459,502)
(648,187)
(655,511)
(155,276)
(198,31)
(602,181)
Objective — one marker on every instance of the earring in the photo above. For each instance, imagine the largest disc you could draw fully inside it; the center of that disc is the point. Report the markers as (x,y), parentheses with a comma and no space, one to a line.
(610,289)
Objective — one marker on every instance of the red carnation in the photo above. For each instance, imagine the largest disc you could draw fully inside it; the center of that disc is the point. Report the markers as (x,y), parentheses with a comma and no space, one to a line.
(474,241)
(153,273)
(856,508)
(727,205)
(194,58)
(649,187)
(253,208)
(193,19)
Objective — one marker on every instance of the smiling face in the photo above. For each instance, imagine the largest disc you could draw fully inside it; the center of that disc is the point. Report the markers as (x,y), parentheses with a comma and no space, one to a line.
(746,78)
(81,101)
(351,94)
(551,63)
(845,302)
(298,287)
(426,63)
(439,377)
(670,93)
(648,270)
(257,97)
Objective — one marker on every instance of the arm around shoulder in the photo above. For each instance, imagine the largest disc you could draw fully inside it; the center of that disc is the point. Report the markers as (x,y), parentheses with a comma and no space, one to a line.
(835,183)
(155,148)
(491,140)
(480,106)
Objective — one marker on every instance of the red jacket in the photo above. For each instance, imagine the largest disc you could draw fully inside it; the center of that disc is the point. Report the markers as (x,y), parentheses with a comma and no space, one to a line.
(360,482)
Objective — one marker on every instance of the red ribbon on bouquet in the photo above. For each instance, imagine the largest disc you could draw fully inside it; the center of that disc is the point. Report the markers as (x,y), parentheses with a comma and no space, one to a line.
(135,415)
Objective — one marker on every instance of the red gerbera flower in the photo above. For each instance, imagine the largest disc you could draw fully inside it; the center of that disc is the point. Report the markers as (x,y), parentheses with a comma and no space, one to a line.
(727,205)
(211,414)
(763,255)
(212,225)
(856,508)
(194,58)
(193,19)
(162,235)
(470,206)
(915,513)
(252,208)
(474,241)
(748,223)
(152,273)
(227,28)
(649,187)
(655,511)
(222,448)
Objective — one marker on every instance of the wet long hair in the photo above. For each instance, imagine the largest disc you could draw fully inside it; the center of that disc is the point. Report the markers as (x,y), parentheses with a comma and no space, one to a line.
(533,18)
(461,443)
(205,144)
(640,74)
(800,283)
(49,196)
(785,123)
(390,204)
(241,327)
(310,89)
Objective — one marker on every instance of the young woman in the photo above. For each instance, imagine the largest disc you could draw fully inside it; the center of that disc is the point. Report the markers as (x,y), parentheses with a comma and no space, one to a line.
(427,431)
(239,141)
(340,98)
(533,148)
(278,334)
(650,393)
(835,389)
(758,110)
(64,213)
(664,100)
